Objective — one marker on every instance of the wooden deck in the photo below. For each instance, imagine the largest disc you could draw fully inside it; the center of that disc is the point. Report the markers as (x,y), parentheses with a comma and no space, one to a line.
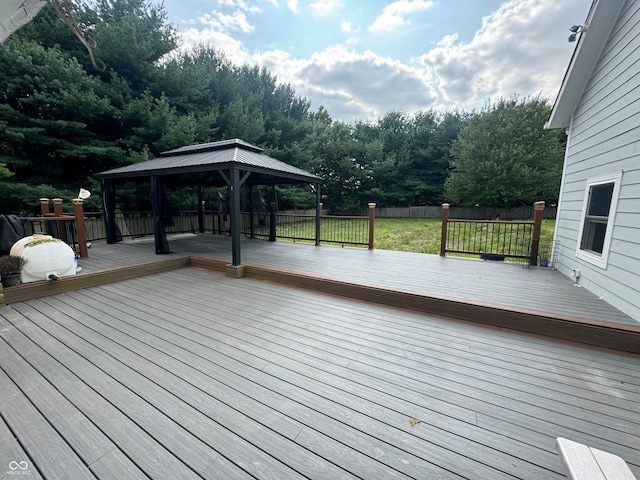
(495,283)
(533,300)
(189,374)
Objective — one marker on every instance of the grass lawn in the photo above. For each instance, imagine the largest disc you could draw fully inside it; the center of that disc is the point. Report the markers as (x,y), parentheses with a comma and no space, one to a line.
(422,235)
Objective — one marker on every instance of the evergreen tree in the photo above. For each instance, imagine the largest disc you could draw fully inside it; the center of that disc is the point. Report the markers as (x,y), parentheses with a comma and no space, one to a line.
(505,157)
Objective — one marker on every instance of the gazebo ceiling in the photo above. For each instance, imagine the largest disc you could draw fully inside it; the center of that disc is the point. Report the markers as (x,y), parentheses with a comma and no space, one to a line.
(204,162)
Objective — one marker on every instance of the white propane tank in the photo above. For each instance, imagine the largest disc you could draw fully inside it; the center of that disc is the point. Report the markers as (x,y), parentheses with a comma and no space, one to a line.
(48,258)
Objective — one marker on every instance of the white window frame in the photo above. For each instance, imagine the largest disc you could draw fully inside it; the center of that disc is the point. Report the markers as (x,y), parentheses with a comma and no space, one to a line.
(588,255)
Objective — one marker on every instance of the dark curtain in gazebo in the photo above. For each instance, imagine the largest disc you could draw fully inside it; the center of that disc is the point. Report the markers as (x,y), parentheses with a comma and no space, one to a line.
(161,215)
(109,202)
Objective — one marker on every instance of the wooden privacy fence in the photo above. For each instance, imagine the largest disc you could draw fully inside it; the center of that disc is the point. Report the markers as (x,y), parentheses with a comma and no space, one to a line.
(490,239)
(465,213)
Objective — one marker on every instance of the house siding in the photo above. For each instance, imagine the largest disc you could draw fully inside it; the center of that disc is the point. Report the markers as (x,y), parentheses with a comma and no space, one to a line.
(604,138)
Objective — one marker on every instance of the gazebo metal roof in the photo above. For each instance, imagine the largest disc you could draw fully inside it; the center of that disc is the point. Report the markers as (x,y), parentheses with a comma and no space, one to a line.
(215,157)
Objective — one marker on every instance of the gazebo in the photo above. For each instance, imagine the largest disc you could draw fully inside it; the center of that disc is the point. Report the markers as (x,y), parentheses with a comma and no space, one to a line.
(232,163)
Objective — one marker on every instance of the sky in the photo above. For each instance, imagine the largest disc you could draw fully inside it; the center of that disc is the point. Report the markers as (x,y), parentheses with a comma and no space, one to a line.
(363,58)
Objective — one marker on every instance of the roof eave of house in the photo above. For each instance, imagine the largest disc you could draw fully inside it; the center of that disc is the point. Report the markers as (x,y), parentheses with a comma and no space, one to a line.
(597,29)
(16,13)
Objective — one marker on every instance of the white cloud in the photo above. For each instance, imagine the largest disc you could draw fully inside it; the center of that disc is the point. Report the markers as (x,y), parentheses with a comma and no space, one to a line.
(226,23)
(242,5)
(352,85)
(293,6)
(521,48)
(232,48)
(395,15)
(323,8)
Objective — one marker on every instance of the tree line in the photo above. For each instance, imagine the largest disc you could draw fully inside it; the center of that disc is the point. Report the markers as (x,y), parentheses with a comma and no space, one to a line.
(62,121)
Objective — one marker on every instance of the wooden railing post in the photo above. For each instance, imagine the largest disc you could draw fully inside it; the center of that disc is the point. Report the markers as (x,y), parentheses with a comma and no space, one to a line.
(272,223)
(538,208)
(44,206)
(80,227)
(57,211)
(372,221)
(57,207)
(443,236)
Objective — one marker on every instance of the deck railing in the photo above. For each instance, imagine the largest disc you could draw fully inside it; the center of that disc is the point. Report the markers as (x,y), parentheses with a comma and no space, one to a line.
(491,239)
(139,224)
(341,230)
(70,227)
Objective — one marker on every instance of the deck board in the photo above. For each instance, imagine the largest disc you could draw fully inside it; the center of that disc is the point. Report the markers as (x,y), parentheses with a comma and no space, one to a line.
(190,374)
(89,443)
(323,423)
(153,408)
(400,341)
(151,457)
(41,441)
(325,445)
(322,335)
(200,414)
(12,451)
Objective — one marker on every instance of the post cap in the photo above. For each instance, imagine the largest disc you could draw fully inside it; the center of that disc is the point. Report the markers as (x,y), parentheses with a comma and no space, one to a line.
(372,205)
(445,205)
(539,205)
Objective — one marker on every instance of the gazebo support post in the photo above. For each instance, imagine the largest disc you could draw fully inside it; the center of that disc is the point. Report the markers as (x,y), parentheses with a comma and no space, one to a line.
(235,217)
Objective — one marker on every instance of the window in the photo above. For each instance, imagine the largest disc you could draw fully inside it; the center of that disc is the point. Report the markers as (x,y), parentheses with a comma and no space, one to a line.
(598,212)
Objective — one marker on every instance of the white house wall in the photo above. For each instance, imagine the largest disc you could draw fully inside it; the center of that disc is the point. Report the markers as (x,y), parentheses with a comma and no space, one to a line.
(604,138)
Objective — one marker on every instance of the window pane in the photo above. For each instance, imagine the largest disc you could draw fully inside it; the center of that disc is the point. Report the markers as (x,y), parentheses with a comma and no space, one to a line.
(600,200)
(595,223)
(598,218)
(593,236)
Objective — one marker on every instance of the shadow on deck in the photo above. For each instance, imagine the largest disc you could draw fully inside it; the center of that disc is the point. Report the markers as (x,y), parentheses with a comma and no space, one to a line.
(533,300)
